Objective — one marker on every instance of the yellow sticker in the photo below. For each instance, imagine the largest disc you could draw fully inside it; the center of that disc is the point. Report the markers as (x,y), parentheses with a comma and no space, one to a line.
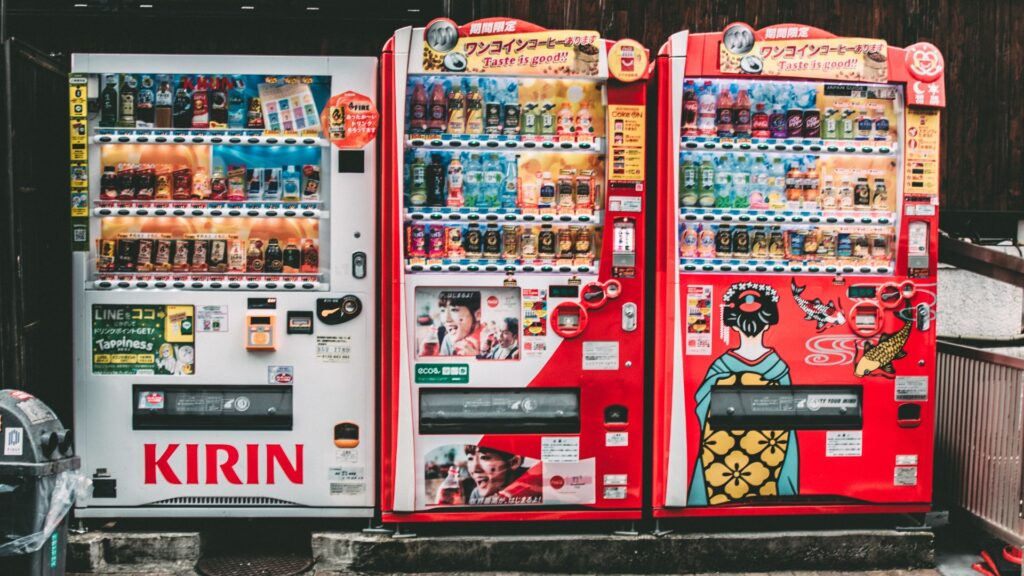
(921,168)
(179,325)
(626,143)
(78,100)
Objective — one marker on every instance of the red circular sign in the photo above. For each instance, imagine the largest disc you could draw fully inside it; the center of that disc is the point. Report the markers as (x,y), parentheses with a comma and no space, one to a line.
(925,62)
(350,120)
(557,482)
(492,301)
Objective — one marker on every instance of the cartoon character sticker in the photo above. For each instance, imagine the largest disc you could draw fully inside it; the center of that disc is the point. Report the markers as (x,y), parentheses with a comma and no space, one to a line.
(739,465)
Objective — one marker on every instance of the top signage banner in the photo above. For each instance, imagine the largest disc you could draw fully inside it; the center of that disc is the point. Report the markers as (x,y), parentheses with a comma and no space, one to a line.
(800,51)
(502,46)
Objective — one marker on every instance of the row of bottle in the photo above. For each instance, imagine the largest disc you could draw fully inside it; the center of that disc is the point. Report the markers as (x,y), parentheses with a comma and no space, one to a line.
(238,183)
(803,243)
(775,111)
(205,255)
(465,107)
(516,242)
(150,101)
(790,183)
(495,182)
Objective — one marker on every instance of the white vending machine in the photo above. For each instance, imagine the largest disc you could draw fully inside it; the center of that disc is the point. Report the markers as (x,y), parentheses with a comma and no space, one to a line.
(223,213)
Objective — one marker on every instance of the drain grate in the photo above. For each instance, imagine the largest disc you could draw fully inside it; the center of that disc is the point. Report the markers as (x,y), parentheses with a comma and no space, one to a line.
(254,565)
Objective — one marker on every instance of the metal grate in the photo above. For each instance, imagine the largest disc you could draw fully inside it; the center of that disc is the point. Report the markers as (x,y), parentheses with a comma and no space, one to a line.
(223,501)
(979,437)
(254,565)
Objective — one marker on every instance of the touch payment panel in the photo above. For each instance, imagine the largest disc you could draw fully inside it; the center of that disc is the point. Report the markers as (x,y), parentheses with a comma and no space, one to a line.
(211,407)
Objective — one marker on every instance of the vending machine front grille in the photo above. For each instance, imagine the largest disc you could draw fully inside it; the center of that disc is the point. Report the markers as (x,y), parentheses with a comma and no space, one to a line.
(786,407)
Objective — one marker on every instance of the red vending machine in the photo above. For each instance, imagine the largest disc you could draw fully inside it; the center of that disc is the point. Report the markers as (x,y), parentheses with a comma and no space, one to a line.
(513,221)
(796,273)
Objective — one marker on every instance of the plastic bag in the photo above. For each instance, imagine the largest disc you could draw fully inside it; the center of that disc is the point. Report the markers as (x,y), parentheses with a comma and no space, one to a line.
(60,492)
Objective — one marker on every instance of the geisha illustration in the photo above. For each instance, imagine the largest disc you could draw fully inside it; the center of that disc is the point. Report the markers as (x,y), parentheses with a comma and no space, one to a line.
(740,465)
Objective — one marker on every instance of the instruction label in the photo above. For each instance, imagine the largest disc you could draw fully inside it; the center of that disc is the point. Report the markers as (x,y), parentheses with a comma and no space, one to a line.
(336,349)
(14,441)
(212,318)
(844,443)
(560,449)
(442,374)
(600,355)
(911,388)
(905,476)
(616,439)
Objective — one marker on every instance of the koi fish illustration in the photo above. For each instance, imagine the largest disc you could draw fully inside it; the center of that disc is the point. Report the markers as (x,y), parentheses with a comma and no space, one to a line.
(826,315)
(880,356)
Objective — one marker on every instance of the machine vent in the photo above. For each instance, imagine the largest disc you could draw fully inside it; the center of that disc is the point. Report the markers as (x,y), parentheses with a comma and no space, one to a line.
(223,501)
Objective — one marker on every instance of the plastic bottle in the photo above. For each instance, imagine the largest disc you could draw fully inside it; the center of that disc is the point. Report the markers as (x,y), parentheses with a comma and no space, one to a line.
(741,117)
(435,176)
(109,102)
(291,184)
(456,109)
(492,181)
(847,125)
(472,180)
(310,257)
(200,184)
(777,121)
(812,116)
(474,110)
(163,103)
(758,196)
(128,95)
(144,113)
(272,185)
(418,108)
(723,183)
(723,113)
(777,189)
(273,257)
(437,116)
(418,184)
(794,117)
(584,122)
(688,186)
(566,127)
(218,103)
(830,124)
(865,125)
(548,126)
(292,257)
(454,181)
(510,184)
(183,103)
(706,192)
(531,121)
(759,127)
(741,182)
(200,104)
(236,103)
(689,123)
(706,116)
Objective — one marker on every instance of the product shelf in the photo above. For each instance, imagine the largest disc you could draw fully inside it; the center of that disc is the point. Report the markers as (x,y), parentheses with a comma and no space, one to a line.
(236,137)
(500,142)
(502,266)
(496,215)
(778,266)
(212,281)
(108,208)
(789,145)
(746,216)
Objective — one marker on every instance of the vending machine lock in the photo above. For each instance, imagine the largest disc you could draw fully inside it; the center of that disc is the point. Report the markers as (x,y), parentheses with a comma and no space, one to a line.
(338,310)
(359,265)
(629,319)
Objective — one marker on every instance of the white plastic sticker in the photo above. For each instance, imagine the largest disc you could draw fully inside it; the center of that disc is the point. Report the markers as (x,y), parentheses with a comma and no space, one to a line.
(600,355)
(346,474)
(560,449)
(14,441)
(346,455)
(906,459)
(911,388)
(569,482)
(905,476)
(615,479)
(625,203)
(343,489)
(280,374)
(336,349)
(843,443)
(614,492)
(616,439)
(816,402)
(211,318)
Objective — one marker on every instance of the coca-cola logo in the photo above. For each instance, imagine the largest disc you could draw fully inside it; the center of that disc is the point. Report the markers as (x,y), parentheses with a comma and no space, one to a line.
(557,482)
(492,301)
(154,398)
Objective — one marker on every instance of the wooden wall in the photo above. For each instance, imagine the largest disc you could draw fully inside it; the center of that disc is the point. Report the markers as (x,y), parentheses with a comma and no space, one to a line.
(983,43)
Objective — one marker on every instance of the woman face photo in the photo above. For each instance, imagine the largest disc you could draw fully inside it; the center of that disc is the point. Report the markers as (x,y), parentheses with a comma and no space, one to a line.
(459,321)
